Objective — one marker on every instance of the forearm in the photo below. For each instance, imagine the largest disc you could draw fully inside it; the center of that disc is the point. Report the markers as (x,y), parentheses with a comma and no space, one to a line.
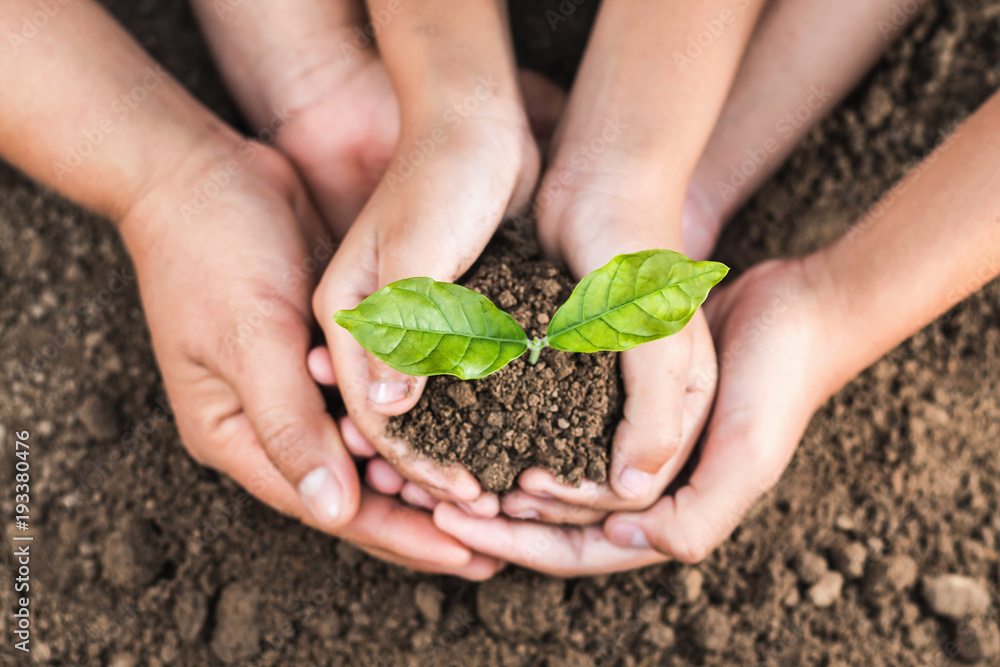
(448,61)
(806,55)
(87,112)
(662,71)
(278,56)
(932,240)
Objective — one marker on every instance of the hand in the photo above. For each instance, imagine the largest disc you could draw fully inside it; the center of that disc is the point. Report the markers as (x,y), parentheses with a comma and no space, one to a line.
(227,299)
(305,81)
(770,329)
(586,216)
(465,158)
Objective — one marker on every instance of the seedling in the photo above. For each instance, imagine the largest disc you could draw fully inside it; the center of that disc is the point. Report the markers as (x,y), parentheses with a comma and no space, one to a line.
(420,326)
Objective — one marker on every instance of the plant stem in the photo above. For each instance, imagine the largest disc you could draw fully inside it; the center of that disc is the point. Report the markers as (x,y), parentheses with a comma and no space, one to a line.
(535,346)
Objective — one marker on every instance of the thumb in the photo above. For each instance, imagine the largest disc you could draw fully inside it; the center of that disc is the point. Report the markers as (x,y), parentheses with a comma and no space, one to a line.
(289,417)
(742,459)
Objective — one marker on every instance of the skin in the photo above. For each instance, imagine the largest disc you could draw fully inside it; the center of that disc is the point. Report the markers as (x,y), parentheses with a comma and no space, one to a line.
(248,241)
(465,158)
(926,247)
(794,45)
(270,435)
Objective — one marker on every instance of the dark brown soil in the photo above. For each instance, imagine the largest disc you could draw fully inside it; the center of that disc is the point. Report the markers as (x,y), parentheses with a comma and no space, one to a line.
(559,414)
(897,478)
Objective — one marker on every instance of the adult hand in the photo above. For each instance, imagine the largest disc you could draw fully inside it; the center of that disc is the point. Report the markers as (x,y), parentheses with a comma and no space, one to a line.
(308,78)
(226,289)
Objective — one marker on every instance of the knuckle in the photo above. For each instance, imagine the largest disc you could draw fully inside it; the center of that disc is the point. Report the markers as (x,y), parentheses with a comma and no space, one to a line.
(284,440)
(690,551)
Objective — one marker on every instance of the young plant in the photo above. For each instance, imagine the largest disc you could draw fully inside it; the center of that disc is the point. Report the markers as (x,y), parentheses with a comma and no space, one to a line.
(420,326)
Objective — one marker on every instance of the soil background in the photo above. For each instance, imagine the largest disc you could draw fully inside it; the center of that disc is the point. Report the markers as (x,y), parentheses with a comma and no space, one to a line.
(144,558)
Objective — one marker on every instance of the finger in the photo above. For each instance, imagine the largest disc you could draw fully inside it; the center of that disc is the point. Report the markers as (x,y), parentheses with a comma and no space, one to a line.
(649,435)
(398,533)
(479,568)
(346,282)
(356,443)
(321,366)
(486,506)
(743,457)
(383,477)
(288,414)
(521,505)
(559,551)
(417,497)
(544,103)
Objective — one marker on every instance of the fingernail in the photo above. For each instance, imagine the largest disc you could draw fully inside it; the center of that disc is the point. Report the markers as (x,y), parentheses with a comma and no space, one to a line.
(629,535)
(637,482)
(526,514)
(321,493)
(384,393)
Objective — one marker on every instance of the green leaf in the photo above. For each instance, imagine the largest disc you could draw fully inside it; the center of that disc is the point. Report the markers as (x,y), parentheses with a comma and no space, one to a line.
(423,327)
(634,299)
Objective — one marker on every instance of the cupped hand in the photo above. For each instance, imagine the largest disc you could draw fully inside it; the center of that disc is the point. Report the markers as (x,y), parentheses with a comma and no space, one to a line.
(587,214)
(770,330)
(226,282)
(465,158)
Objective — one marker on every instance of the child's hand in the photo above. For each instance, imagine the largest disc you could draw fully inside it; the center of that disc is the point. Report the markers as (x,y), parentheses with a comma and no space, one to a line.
(465,157)
(669,384)
(764,403)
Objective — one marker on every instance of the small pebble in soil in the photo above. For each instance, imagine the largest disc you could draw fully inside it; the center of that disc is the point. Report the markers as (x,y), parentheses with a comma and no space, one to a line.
(132,556)
(954,596)
(827,589)
(849,559)
(978,639)
(429,599)
(521,605)
(660,635)
(190,613)
(712,630)
(901,572)
(810,567)
(237,633)
(98,419)
(691,581)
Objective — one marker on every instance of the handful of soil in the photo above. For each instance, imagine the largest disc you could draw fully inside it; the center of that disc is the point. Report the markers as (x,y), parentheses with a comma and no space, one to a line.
(559,414)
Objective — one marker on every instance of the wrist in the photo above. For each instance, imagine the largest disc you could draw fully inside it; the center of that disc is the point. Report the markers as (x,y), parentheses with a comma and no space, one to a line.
(842,348)
(626,204)
(182,192)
